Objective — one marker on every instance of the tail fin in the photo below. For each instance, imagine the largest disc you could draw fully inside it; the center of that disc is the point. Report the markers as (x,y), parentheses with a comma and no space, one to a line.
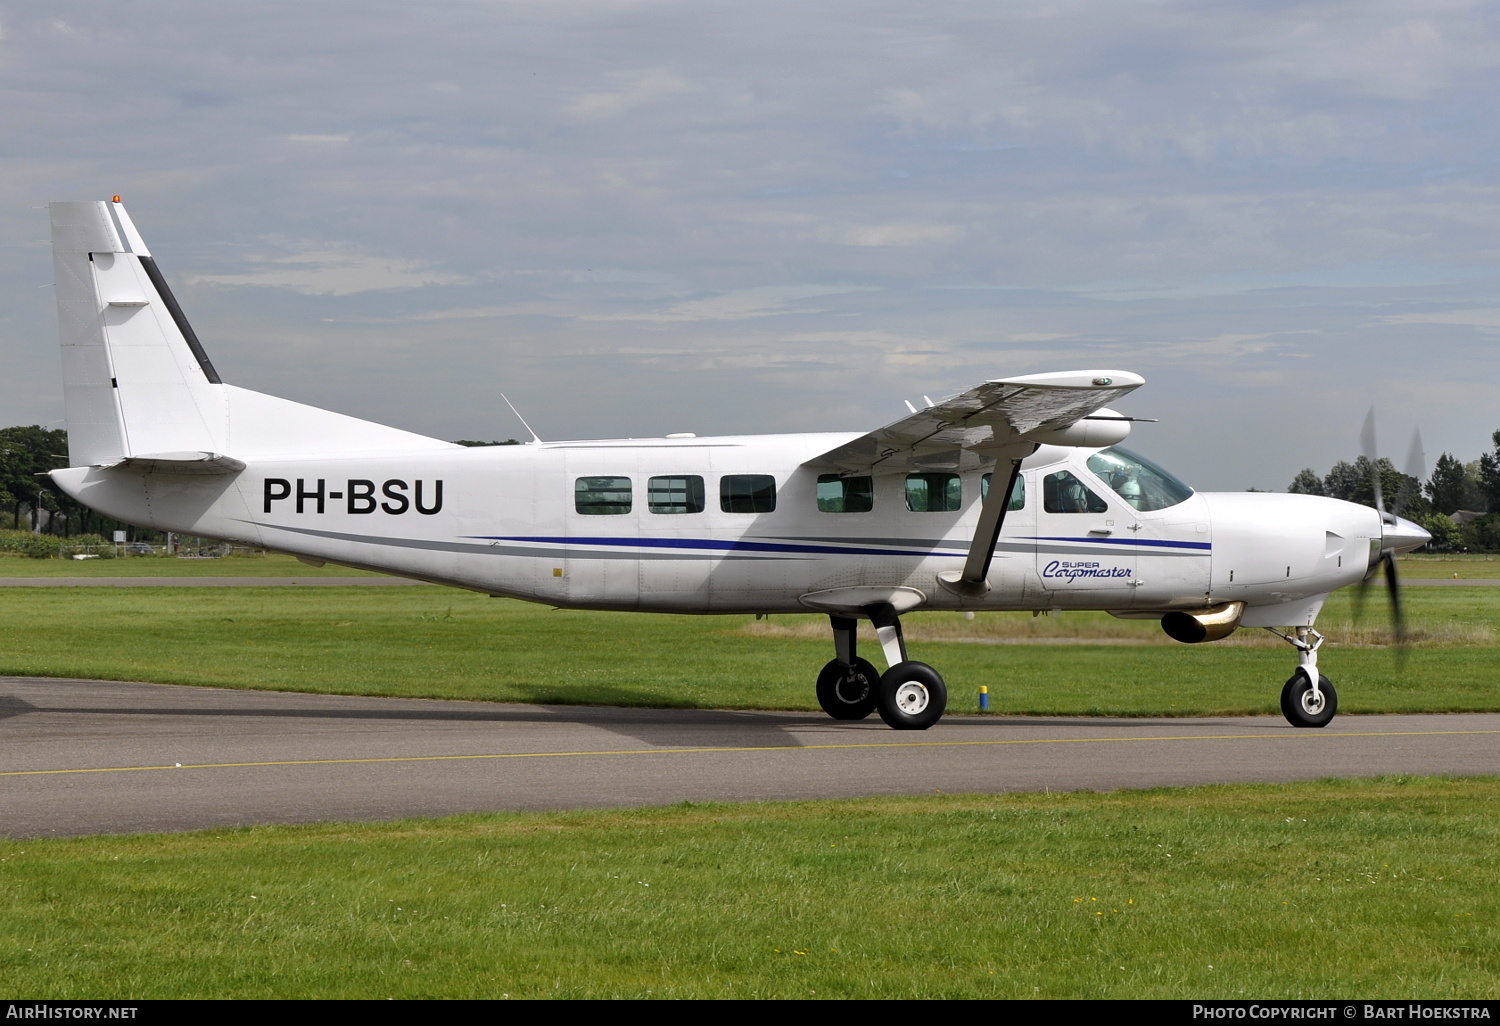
(135,378)
(137,383)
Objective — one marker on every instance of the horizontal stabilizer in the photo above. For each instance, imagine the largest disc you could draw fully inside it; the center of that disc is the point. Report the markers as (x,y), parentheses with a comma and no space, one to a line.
(180,463)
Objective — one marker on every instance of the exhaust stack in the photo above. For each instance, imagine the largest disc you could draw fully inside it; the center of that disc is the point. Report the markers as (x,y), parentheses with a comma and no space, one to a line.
(1213,624)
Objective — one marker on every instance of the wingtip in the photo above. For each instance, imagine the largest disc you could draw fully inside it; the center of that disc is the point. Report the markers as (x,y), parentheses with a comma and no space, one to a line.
(1077,379)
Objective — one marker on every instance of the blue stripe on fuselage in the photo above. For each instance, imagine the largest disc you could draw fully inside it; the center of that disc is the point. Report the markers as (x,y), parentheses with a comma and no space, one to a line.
(709,543)
(798,548)
(1147,542)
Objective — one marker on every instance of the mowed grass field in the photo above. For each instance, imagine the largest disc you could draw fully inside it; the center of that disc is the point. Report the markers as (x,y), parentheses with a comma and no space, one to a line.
(1466,566)
(444,643)
(1368,889)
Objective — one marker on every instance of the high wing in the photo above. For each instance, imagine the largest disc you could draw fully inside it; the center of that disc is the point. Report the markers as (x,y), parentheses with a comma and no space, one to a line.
(993,420)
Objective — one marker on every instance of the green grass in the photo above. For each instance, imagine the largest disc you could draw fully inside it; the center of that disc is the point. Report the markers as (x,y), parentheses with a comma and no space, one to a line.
(1368,889)
(445,643)
(1465,565)
(271,564)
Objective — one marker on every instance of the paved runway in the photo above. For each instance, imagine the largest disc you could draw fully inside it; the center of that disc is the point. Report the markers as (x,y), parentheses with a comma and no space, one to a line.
(85,757)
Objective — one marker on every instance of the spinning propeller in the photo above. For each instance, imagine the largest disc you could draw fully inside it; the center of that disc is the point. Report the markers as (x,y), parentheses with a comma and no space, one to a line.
(1397,534)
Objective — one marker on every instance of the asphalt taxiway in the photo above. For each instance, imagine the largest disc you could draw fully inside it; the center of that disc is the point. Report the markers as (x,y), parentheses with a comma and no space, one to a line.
(89,757)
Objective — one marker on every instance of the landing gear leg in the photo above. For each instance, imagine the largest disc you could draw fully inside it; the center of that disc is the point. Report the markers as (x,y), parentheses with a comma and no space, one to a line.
(1308,699)
(911,696)
(848,687)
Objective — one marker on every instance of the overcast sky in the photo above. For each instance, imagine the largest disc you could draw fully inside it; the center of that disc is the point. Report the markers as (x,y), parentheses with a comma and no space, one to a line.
(636,218)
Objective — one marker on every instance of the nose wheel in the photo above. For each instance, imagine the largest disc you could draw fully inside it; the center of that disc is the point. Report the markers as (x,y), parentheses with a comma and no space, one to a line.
(1308,699)
(1306,706)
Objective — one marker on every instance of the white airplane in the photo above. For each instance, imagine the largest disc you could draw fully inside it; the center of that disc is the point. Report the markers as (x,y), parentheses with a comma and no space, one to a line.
(1013,495)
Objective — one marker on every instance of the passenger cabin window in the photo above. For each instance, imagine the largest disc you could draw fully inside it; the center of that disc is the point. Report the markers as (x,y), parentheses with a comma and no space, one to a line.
(675,494)
(601,496)
(1064,493)
(933,493)
(1017,494)
(1142,484)
(747,493)
(845,494)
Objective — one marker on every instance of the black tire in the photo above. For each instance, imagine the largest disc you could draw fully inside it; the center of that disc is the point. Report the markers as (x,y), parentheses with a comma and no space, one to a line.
(1297,705)
(912,696)
(849,692)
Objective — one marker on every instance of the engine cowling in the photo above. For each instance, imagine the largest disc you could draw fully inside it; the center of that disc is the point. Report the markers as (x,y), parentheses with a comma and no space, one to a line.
(1099,429)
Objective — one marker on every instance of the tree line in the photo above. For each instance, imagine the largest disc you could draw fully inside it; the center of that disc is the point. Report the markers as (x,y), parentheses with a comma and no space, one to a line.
(1459,504)
(29,501)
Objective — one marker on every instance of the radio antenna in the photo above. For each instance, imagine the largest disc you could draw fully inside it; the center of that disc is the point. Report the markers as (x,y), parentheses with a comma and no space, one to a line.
(535,438)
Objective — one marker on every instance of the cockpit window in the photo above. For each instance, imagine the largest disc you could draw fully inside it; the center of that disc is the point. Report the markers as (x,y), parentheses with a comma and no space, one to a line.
(1141,483)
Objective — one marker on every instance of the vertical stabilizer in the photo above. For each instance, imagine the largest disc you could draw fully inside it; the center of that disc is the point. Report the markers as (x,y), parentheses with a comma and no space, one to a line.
(135,379)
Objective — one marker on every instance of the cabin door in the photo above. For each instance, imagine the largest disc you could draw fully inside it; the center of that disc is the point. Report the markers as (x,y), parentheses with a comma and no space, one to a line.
(1085,554)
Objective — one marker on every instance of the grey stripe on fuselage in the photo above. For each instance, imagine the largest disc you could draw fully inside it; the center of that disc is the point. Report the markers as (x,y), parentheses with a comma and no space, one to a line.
(1105,549)
(494,549)
(550,552)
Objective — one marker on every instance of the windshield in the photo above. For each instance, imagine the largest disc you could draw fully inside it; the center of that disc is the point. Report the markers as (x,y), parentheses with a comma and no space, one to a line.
(1141,483)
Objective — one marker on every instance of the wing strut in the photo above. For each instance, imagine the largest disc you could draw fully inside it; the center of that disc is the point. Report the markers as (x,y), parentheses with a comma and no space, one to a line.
(991,519)
(971,580)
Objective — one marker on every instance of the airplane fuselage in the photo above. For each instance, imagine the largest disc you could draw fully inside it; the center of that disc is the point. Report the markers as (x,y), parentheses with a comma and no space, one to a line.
(735,524)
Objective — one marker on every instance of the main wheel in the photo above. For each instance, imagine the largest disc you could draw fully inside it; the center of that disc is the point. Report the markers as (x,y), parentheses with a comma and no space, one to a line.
(912,696)
(1304,709)
(849,692)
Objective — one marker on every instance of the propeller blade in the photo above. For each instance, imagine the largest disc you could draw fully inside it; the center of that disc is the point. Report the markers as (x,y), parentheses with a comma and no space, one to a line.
(1415,455)
(1413,470)
(1398,618)
(1361,592)
(1367,443)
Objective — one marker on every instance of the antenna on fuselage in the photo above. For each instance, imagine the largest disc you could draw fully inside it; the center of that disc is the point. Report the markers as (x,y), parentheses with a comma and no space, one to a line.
(535,438)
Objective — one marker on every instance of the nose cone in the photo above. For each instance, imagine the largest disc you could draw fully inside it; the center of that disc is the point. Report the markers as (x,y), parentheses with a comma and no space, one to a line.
(1400,535)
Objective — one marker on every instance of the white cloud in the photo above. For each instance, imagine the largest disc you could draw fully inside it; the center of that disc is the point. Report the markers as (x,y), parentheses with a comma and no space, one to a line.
(735,306)
(1488,319)
(1218,347)
(330,272)
(890,234)
(636,89)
